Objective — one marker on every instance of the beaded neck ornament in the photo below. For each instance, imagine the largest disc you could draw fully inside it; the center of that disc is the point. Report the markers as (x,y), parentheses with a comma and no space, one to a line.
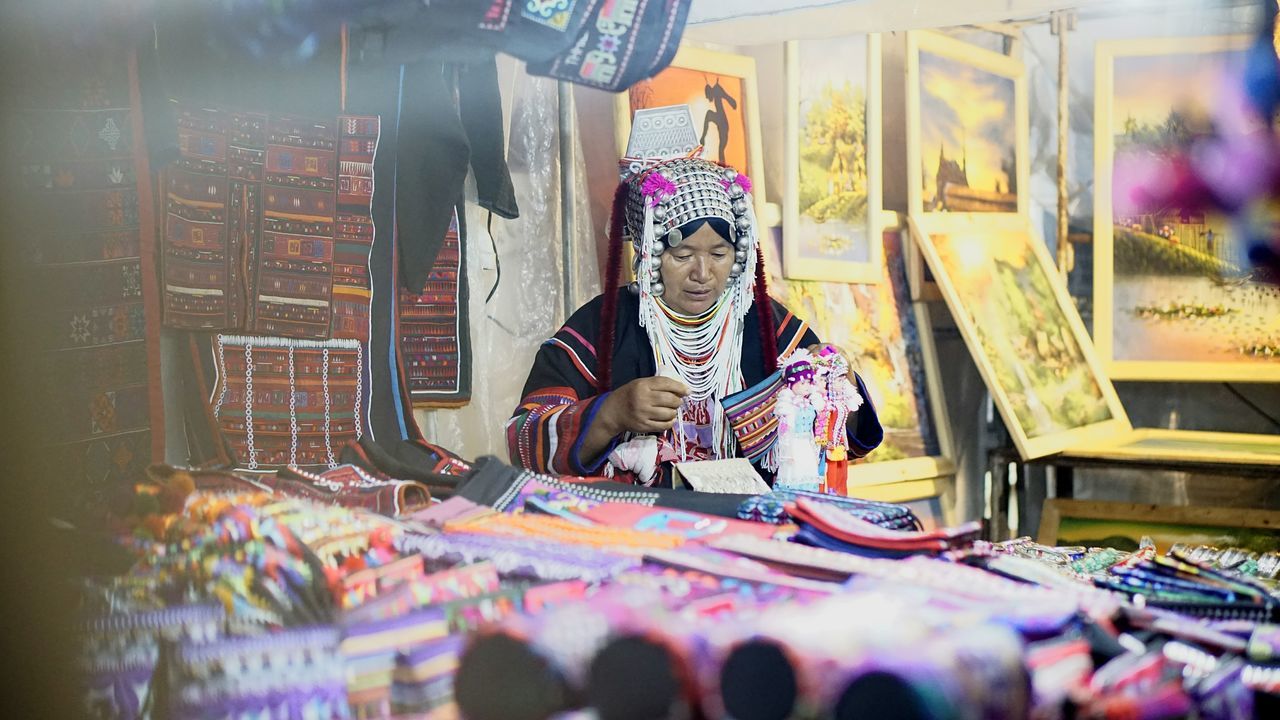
(658,198)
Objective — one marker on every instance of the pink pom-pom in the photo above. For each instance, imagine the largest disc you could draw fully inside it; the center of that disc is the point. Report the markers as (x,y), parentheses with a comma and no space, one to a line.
(657,188)
(741,181)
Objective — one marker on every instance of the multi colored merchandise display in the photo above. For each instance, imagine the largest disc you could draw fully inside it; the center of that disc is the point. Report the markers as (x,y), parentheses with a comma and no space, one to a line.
(351,594)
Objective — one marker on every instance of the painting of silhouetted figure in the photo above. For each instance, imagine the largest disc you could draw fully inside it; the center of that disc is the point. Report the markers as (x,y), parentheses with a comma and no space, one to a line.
(715,96)
(718,96)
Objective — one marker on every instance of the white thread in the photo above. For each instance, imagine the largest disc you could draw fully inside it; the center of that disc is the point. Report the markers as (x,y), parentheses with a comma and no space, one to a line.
(324,379)
(222,376)
(248,406)
(293,413)
(279,342)
(359,389)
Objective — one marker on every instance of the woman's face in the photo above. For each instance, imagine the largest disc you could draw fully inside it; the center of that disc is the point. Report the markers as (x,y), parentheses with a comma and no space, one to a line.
(695,273)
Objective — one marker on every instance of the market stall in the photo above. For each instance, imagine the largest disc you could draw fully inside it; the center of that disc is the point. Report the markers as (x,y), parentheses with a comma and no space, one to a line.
(643,360)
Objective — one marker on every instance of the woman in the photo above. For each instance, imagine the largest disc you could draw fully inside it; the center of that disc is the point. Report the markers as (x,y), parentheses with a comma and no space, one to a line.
(634,380)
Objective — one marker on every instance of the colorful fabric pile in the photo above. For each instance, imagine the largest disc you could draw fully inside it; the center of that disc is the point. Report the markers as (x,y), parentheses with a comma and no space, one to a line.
(559,595)
(772,508)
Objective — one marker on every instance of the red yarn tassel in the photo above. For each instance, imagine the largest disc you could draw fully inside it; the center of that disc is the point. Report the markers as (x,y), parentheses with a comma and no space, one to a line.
(609,307)
(768,331)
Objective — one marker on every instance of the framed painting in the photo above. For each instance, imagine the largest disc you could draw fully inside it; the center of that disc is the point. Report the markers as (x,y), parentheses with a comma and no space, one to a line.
(1123,525)
(1173,295)
(832,150)
(889,342)
(720,90)
(1022,330)
(966,128)
(1187,446)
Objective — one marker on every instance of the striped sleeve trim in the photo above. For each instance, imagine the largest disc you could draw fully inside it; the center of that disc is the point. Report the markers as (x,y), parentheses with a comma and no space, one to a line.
(797,329)
(546,433)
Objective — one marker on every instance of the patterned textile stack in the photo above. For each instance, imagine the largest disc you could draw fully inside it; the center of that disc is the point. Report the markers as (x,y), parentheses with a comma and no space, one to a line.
(533,596)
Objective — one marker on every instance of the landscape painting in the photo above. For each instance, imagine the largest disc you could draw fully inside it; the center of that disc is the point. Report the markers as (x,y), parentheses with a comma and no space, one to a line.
(1021,329)
(875,326)
(968,136)
(833,151)
(1175,286)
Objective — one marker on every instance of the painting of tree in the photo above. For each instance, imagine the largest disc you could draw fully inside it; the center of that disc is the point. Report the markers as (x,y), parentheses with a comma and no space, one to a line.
(833,155)
(832,159)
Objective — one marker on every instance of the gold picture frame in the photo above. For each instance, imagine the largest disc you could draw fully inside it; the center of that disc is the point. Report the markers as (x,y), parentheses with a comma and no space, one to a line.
(993,75)
(677,84)
(1141,305)
(1052,391)
(979,65)
(1186,446)
(1076,522)
(821,60)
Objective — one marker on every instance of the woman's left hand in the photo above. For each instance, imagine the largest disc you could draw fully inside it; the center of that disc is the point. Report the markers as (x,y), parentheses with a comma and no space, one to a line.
(817,348)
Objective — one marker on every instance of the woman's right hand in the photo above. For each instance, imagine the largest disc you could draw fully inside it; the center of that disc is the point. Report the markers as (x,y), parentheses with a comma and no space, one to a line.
(644,405)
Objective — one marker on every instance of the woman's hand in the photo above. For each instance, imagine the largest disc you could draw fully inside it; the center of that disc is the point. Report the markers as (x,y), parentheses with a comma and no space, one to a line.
(817,348)
(644,405)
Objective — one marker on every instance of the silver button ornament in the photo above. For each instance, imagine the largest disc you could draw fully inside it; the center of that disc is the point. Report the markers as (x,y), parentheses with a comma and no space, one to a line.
(742,223)
(740,207)
(736,191)
(740,256)
(675,237)
(660,212)
(730,174)
(659,248)
(736,269)
(657,289)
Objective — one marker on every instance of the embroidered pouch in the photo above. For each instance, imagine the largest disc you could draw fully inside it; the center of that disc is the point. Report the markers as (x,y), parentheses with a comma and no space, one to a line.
(751,416)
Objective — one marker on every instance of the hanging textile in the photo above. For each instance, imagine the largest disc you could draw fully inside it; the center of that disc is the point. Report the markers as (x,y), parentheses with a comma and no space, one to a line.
(83,188)
(433,330)
(527,305)
(268,226)
(622,43)
(280,401)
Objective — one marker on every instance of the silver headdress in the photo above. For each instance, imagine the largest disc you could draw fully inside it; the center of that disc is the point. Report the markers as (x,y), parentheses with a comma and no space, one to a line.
(665,195)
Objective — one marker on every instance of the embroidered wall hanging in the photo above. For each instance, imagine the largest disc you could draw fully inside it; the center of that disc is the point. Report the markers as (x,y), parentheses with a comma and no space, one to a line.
(433,330)
(268,225)
(75,138)
(281,401)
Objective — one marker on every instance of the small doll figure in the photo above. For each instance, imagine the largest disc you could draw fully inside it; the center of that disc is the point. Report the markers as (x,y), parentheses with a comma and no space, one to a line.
(800,402)
(841,398)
